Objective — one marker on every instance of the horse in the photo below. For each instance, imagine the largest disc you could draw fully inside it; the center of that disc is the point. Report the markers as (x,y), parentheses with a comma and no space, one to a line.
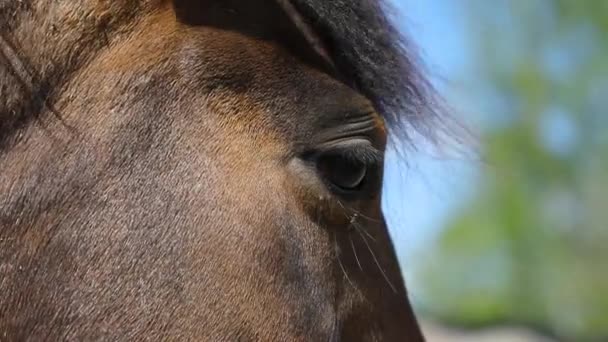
(202,170)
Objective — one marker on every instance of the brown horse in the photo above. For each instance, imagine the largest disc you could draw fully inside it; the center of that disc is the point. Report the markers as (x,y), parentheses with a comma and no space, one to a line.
(204,170)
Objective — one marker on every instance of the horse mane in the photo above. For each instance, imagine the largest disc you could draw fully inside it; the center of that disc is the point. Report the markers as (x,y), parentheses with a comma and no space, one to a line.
(376,59)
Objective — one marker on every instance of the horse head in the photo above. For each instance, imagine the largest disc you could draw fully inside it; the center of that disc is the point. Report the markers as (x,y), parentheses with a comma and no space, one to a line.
(201,170)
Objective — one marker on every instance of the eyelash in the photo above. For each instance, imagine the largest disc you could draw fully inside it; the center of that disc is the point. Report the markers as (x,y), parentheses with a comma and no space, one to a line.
(367,155)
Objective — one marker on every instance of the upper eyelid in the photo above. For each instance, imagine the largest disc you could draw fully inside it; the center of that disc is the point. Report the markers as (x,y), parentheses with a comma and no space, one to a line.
(362,127)
(362,151)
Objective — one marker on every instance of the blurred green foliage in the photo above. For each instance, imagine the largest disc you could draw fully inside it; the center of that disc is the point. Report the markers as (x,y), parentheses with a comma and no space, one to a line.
(532,246)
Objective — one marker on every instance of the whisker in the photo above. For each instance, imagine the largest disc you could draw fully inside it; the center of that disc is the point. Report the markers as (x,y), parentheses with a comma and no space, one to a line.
(354,224)
(367,217)
(362,229)
(378,264)
(356,213)
(352,244)
(340,262)
(374,336)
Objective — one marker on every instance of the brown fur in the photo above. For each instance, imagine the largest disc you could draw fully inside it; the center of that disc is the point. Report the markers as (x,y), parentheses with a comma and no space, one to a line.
(153,185)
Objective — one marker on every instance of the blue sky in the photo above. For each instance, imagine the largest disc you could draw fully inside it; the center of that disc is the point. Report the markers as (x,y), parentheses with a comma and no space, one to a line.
(419,196)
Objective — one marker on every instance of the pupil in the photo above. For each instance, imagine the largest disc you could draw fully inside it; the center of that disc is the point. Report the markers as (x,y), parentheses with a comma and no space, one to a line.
(343,172)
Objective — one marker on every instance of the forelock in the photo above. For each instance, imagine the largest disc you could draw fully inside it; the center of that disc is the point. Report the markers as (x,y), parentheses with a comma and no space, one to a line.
(374,57)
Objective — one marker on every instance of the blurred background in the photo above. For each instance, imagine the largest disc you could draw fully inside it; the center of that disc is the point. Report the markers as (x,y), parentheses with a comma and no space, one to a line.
(509,242)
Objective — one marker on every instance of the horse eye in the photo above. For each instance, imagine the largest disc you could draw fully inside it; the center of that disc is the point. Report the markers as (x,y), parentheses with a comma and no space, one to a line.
(345,173)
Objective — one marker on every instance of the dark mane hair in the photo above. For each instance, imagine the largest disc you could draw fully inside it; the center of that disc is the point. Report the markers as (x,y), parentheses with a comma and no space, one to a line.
(376,59)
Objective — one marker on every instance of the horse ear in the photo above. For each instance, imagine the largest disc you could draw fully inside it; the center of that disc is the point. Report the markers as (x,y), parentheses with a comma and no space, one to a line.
(274,20)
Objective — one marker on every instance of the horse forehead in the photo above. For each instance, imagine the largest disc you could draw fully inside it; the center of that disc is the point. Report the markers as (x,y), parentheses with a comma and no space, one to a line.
(261,69)
(268,78)
(243,77)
